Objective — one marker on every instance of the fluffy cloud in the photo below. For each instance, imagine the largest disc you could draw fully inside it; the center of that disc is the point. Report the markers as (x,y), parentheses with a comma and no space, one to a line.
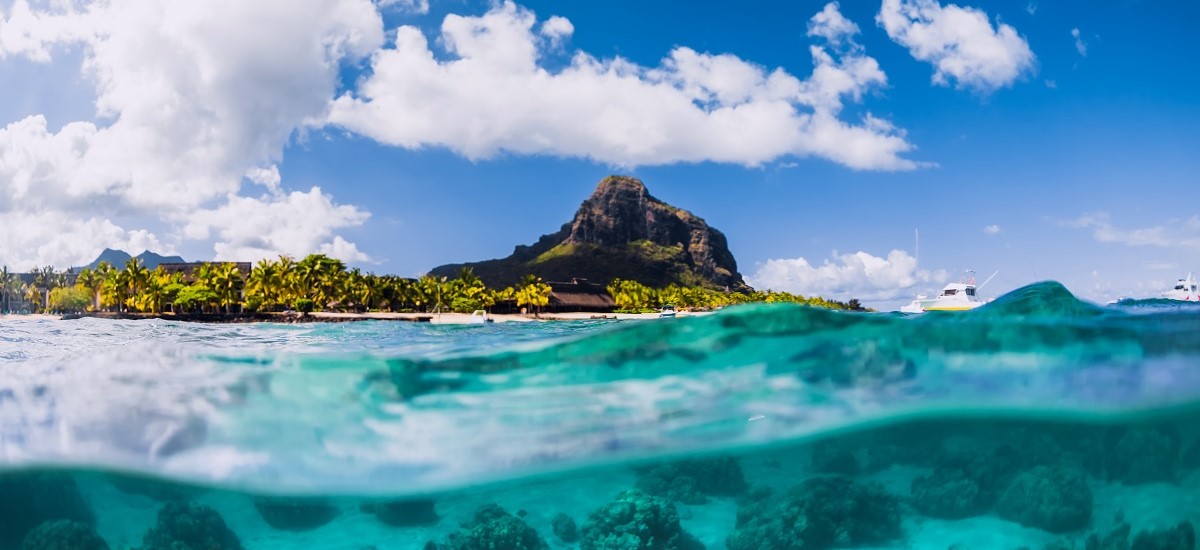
(961,43)
(190,99)
(411,6)
(831,25)
(493,94)
(1175,233)
(858,275)
(1080,45)
(992,229)
(295,224)
(46,238)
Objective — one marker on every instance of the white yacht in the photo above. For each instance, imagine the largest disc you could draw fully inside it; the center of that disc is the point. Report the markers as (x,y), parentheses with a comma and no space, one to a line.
(1185,290)
(960,296)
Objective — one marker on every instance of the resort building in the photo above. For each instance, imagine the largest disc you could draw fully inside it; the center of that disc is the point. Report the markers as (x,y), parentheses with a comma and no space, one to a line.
(579,295)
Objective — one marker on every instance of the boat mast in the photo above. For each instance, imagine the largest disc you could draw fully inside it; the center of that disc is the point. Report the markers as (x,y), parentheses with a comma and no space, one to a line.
(917,234)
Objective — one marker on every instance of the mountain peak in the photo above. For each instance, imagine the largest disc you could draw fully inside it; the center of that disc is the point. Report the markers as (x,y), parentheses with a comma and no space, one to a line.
(118,258)
(621,231)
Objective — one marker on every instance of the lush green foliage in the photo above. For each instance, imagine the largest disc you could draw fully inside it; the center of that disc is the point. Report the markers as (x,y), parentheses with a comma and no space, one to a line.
(634,297)
(195,297)
(69,299)
(320,283)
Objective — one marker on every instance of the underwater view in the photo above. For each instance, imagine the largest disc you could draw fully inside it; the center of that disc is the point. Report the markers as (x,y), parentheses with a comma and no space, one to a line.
(1038,421)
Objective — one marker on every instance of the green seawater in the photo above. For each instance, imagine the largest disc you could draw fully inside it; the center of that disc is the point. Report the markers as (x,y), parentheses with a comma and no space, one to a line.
(1038,421)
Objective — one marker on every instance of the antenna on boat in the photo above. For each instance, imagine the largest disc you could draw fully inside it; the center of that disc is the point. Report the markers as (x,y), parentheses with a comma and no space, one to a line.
(917,252)
(989,279)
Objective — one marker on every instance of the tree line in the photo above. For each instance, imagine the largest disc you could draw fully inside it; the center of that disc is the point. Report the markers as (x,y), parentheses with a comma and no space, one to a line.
(635,297)
(316,282)
(321,283)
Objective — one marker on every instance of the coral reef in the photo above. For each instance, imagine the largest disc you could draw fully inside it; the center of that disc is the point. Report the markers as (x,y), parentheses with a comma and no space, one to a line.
(692,481)
(1144,454)
(403,513)
(295,514)
(188,526)
(819,513)
(492,528)
(1053,499)
(565,528)
(28,499)
(636,521)
(63,534)
(963,483)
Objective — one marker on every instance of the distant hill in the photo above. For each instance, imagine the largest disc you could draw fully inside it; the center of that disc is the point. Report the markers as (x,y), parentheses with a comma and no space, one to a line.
(621,231)
(117,258)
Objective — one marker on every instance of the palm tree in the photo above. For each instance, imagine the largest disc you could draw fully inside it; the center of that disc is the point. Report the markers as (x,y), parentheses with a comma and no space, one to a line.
(227,283)
(6,288)
(91,280)
(533,292)
(265,284)
(136,276)
(33,295)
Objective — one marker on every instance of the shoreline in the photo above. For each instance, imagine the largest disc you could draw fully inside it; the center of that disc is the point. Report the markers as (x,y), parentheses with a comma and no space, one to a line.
(342,317)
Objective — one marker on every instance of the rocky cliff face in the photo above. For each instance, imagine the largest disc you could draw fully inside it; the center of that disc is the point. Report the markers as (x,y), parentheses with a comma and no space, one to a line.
(621,231)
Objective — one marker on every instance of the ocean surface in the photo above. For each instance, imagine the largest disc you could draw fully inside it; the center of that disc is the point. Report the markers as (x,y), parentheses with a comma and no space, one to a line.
(1037,421)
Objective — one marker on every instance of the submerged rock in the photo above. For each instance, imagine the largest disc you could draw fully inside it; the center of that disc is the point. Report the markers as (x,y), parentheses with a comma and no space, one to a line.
(295,514)
(492,528)
(819,513)
(188,526)
(636,521)
(565,528)
(1180,537)
(964,483)
(28,499)
(692,481)
(64,534)
(1053,499)
(1144,455)
(948,493)
(403,513)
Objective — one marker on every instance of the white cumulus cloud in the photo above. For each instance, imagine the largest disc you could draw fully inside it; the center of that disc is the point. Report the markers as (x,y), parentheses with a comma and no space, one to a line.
(960,42)
(492,94)
(192,99)
(859,275)
(992,229)
(294,224)
(830,24)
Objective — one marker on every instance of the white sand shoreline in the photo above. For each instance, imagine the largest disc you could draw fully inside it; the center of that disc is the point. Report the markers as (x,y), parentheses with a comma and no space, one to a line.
(434,318)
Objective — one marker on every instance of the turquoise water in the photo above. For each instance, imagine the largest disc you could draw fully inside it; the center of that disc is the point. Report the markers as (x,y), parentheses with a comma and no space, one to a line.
(1036,421)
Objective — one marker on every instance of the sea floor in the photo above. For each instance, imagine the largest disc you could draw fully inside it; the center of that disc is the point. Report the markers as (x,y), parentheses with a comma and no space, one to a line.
(123,517)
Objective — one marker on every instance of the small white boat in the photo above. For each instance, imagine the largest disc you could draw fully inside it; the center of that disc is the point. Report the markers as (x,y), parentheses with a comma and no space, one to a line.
(1185,290)
(960,296)
(667,311)
(480,316)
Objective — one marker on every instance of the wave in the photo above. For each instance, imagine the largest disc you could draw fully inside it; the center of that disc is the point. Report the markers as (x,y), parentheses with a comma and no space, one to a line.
(401,408)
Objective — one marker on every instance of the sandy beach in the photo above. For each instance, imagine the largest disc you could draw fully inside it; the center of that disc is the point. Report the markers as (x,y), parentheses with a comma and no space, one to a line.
(329,316)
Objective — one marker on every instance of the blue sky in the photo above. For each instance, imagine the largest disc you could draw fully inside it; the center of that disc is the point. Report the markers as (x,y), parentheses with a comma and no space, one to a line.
(1046,141)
